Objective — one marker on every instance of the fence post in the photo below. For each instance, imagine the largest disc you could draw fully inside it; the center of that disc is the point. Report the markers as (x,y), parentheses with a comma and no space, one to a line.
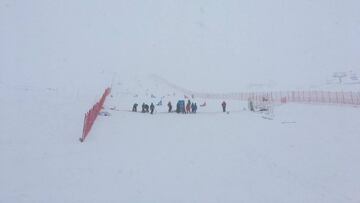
(84,129)
(303,96)
(288,96)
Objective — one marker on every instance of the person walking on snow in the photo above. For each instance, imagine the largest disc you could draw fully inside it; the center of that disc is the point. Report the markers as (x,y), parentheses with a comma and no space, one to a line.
(170,107)
(135,107)
(188,107)
(223,104)
(152,107)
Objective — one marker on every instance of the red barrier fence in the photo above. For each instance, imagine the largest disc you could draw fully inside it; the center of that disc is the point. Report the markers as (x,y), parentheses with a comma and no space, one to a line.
(92,114)
(310,97)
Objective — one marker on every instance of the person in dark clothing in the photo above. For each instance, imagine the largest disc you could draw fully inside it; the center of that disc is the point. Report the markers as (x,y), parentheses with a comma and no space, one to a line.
(170,107)
(178,107)
(223,104)
(146,108)
(192,107)
(143,108)
(251,105)
(134,109)
(152,107)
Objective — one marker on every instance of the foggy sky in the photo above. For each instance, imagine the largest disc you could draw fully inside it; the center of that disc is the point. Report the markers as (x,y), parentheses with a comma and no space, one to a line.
(202,44)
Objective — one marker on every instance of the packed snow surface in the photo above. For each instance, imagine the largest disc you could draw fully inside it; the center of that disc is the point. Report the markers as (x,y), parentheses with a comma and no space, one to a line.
(301,153)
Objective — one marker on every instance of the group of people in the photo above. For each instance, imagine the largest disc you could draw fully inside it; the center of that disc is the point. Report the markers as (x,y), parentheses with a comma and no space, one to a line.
(191,107)
(145,108)
(180,107)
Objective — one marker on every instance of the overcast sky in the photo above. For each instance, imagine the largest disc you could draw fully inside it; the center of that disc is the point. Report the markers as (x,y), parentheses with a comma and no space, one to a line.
(201,43)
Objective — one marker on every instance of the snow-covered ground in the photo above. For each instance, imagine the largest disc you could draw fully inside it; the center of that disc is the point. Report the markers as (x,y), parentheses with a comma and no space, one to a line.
(307,153)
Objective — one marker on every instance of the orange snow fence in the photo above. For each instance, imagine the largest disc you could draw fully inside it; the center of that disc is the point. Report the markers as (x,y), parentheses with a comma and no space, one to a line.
(92,114)
(308,97)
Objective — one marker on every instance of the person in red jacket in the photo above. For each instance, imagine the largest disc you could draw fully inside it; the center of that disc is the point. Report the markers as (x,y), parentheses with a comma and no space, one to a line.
(223,104)
(188,107)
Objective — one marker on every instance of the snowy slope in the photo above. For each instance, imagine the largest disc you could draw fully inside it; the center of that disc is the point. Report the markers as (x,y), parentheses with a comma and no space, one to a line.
(306,154)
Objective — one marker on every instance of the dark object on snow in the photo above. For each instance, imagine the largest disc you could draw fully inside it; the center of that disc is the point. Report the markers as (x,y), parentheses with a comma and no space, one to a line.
(203,105)
(113,108)
(263,109)
(223,104)
(251,105)
(152,107)
(180,106)
(134,109)
(193,107)
(104,113)
(145,108)
(159,103)
(170,107)
(188,107)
